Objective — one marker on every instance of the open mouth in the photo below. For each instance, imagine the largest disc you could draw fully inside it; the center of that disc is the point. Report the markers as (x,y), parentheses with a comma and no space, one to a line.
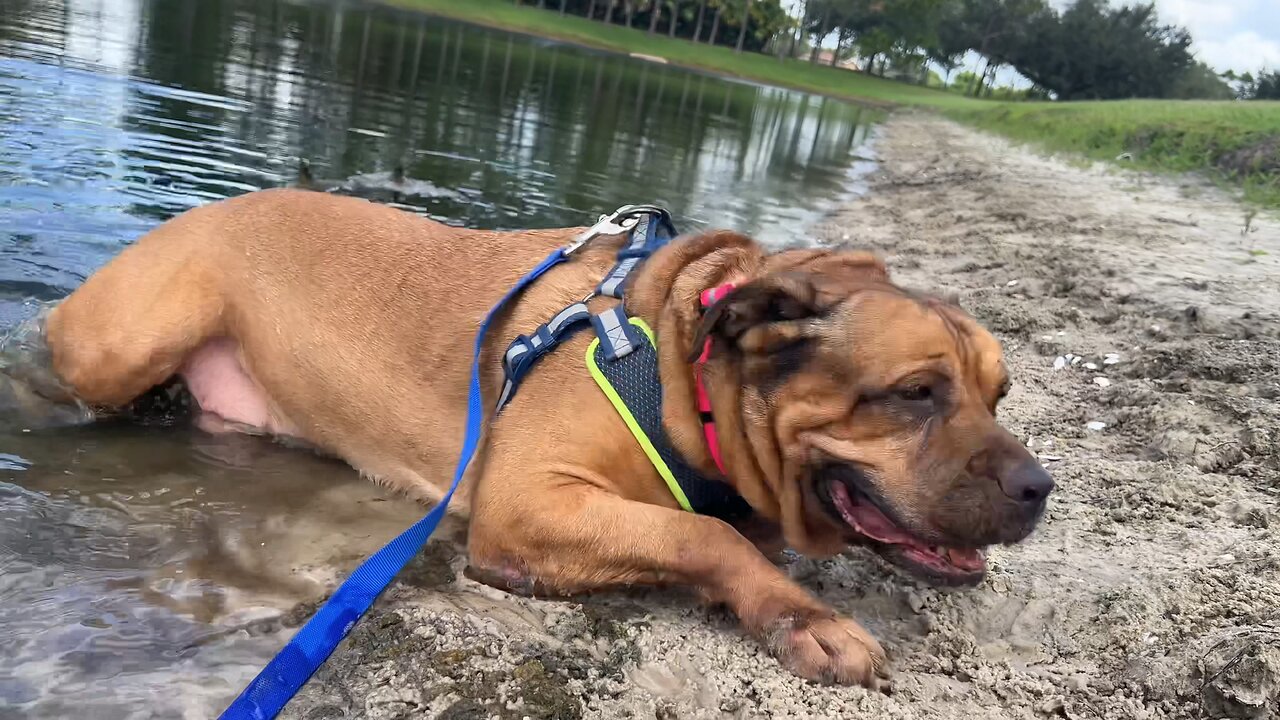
(940,563)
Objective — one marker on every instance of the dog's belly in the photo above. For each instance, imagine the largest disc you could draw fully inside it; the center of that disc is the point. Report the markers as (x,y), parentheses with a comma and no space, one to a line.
(228,397)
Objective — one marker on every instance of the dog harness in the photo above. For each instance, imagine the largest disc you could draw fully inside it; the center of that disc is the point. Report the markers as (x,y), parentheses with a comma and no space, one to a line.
(633,386)
(624,361)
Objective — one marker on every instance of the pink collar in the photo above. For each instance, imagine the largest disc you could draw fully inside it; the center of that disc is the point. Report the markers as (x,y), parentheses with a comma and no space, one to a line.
(709,298)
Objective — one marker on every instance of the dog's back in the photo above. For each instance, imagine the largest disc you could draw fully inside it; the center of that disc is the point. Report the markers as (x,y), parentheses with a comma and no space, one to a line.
(341,322)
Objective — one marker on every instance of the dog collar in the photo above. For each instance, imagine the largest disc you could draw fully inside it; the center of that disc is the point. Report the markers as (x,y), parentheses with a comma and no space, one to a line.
(709,297)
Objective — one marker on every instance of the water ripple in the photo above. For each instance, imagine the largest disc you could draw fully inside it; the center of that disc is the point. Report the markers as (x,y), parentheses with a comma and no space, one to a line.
(15,463)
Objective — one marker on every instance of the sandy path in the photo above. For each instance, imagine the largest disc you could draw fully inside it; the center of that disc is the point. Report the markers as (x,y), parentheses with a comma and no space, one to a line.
(1153,588)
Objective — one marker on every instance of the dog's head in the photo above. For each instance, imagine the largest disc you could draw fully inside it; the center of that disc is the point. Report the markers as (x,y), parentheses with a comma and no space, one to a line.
(869,416)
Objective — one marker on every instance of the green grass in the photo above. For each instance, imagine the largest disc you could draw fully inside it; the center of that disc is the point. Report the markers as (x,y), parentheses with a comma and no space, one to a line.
(1236,143)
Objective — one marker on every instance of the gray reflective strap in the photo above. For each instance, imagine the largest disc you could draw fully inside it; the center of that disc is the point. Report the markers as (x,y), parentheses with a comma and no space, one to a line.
(640,233)
(507,387)
(611,286)
(518,348)
(618,337)
(568,314)
(525,351)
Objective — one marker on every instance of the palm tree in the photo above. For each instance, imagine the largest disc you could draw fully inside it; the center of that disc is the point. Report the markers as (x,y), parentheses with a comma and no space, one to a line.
(715,26)
(795,37)
(746,23)
(675,15)
(702,13)
(817,40)
(655,12)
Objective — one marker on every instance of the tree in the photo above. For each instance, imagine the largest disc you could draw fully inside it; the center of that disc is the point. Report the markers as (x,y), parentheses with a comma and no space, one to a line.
(823,26)
(744,25)
(798,29)
(715,24)
(1200,82)
(950,39)
(1094,51)
(702,14)
(1266,86)
(990,28)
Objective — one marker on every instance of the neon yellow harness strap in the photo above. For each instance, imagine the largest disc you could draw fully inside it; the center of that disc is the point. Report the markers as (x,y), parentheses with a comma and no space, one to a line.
(645,443)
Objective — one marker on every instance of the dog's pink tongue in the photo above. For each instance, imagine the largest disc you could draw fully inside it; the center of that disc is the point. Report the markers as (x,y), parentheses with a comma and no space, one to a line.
(966,559)
(867,520)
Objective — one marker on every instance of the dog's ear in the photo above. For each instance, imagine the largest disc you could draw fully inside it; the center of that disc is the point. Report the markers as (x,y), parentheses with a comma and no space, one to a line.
(762,316)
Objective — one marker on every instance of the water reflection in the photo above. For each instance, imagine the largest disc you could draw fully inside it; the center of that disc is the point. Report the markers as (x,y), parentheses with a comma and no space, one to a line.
(139,110)
(134,562)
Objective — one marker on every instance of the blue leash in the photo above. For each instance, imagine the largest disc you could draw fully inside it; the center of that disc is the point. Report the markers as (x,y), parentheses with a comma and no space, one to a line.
(289,670)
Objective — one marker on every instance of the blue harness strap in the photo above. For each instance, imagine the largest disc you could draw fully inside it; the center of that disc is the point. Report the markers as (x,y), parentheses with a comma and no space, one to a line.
(526,350)
(289,670)
(649,228)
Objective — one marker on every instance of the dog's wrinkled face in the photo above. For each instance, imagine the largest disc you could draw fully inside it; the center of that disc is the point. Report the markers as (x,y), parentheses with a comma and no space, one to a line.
(882,406)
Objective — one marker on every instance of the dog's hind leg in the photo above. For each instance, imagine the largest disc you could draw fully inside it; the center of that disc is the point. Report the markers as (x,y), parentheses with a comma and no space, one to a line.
(31,395)
(131,325)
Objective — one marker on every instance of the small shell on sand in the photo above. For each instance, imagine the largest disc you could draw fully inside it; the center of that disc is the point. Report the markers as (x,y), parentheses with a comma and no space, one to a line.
(1095,425)
(1101,382)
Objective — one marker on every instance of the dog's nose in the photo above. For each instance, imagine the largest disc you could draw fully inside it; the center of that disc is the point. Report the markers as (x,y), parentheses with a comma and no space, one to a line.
(1027,482)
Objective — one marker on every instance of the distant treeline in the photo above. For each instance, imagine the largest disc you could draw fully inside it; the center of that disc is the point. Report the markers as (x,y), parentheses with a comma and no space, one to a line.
(1087,50)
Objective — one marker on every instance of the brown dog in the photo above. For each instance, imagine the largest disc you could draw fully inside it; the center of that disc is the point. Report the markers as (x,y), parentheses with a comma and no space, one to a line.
(849,411)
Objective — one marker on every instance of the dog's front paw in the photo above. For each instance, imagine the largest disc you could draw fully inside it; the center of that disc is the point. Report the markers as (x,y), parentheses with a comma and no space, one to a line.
(828,649)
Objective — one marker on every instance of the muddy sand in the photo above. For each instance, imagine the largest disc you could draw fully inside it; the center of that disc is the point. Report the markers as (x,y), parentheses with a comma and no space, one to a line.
(1152,589)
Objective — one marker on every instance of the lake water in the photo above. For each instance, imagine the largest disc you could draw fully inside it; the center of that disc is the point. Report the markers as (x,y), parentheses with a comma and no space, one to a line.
(141,567)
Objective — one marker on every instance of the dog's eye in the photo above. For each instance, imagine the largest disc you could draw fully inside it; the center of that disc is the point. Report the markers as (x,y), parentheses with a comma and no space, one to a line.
(915,393)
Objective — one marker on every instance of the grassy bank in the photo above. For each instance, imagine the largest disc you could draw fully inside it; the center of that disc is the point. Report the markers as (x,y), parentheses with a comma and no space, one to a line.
(798,74)
(1238,143)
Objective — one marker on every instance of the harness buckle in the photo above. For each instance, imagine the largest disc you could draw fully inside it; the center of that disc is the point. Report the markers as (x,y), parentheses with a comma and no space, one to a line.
(615,224)
(618,222)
